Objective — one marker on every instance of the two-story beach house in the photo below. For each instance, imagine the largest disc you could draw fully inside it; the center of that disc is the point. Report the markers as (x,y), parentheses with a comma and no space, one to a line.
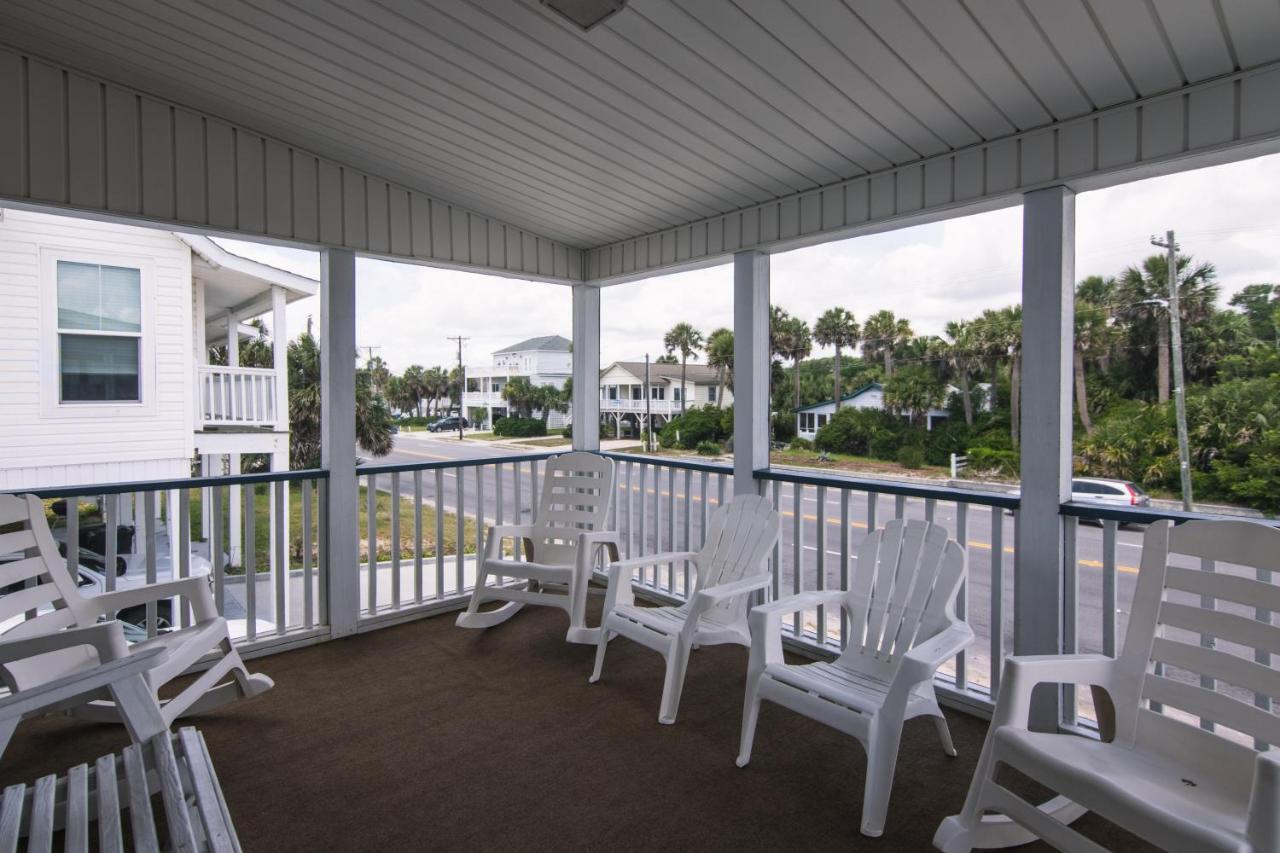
(104,354)
(545,360)
(622,396)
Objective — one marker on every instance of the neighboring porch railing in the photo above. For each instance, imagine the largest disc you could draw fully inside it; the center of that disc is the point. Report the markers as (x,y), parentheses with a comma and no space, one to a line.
(236,396)
(259,538)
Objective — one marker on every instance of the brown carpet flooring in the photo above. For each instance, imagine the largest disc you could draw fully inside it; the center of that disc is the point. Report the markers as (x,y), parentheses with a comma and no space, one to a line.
(431,737)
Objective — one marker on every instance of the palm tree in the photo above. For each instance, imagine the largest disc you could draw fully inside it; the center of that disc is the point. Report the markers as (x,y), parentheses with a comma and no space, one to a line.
(962,358)
(435,384)
(521,396)
(914,390)
(1002,329)
(836,328)
(720,356)
(1092,336)
(1144,293)
(686,340)
(415,380)
(373,418)
(882,335)
(378,373)
(792,340)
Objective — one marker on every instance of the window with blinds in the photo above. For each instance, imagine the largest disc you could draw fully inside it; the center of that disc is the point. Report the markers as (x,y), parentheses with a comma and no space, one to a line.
(99,333)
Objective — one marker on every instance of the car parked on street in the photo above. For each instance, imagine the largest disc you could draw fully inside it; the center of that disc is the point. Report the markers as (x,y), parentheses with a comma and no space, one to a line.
(1096,490)
(449,424)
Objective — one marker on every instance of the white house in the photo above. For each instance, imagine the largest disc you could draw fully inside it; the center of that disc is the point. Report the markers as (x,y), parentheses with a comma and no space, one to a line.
(545,360)
(810,419)
(622,397)
(104,351)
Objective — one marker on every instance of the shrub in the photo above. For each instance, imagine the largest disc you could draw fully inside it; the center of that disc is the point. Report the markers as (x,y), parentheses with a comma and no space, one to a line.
(852,430)
(950,436)
(519,427)
(910,456)
(986,460)
(416,421)
(884,445)
(693,428)
(567,432)
(784,425)
(801,444)
(708,448)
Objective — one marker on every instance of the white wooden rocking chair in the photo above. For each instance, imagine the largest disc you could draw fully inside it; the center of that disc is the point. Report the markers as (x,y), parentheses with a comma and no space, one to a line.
(1156,771)
(53,595)
(560,548)
(730,566)
(900,607)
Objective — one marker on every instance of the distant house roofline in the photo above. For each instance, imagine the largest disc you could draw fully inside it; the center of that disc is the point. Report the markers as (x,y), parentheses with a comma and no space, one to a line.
(542,343)
(851,396)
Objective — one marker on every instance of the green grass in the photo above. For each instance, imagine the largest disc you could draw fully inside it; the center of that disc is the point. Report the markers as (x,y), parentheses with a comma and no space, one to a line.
(550,441)
(382,514)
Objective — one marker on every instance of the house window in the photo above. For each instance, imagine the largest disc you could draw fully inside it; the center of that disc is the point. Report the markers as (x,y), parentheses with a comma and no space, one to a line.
(637,392)
(711,393)
(495,387)
(657,393)
(675,394)
(99,333)
(822,421)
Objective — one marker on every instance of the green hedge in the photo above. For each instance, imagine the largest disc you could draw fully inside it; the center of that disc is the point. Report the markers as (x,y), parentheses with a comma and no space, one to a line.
(708,448)
(519,427)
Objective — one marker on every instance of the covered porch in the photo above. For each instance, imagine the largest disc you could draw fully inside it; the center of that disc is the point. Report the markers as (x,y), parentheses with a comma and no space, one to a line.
(504,140)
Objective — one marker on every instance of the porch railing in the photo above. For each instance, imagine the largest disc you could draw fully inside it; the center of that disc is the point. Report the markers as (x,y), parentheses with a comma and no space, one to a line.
(260,539)
(236,396)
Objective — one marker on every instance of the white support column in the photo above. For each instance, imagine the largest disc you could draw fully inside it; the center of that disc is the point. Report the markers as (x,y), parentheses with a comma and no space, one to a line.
(750,369)
(235,514)
(233,340)
(1048,327)
(280,353)
(586,367)
(338,435)
(279,462)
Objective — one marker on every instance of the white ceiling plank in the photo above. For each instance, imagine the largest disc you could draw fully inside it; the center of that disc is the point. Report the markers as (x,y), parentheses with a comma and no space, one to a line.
(836,23)
(529,32)
(1137,39)
(871,72)
(955,31)
(718,50)
(918,51)
(641,35)
(1252,26)
(1067,23)
(1196,36)
(1015,34)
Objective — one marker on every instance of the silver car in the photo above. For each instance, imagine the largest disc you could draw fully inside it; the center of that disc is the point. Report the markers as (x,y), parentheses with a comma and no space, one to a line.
(1093,490)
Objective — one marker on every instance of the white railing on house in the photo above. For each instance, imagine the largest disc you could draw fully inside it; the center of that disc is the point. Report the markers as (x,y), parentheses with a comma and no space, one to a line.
(236,396)
(657,407)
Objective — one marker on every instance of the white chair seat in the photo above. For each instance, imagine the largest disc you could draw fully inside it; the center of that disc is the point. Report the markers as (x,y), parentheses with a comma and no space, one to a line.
(528,569)
(1146,788)
(670,620)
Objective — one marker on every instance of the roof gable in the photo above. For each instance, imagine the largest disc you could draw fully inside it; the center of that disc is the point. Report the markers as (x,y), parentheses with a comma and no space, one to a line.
(543,343)
(870,386)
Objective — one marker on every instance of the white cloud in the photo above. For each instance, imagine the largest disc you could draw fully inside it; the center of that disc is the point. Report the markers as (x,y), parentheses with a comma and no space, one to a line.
(929,273)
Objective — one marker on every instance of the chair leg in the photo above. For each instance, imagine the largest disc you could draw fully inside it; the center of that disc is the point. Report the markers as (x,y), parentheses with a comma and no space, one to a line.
(138,709)
(677,662)
(944,734)
(602,645)
(750,716)
(473,618)
(882,758)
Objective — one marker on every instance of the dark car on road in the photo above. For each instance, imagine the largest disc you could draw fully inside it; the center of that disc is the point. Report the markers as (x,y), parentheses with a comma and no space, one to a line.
(448,424)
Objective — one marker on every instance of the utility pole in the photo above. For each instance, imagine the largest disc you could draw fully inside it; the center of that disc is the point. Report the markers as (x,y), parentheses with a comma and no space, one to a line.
(648,409)
(462,379)
(1175,344)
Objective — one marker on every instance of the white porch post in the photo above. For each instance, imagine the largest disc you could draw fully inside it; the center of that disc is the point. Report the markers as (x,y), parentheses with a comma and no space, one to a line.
(750,369)
(280,353)
(586,367)
(338,435)
(1048,327)
(235,511)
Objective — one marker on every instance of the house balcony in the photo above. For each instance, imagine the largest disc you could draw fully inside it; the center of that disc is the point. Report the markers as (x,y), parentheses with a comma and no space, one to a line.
(236,397)
(666,408)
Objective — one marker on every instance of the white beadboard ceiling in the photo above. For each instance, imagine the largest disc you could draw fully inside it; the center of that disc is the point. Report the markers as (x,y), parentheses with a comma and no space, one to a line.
(668,112)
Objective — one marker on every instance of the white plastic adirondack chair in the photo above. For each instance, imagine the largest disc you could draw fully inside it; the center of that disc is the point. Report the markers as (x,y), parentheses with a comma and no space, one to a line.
(902,627)
(51,586)
(560,548)
(1156,772)
(108,666)
(730,566)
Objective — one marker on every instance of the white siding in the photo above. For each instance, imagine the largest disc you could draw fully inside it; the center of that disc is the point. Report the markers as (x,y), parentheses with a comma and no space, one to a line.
(83,446)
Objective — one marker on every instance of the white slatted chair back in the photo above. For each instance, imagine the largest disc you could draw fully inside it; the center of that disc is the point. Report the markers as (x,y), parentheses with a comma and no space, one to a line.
(902,592)
(1213,581)
(577,490)
(740,535)
(38,582)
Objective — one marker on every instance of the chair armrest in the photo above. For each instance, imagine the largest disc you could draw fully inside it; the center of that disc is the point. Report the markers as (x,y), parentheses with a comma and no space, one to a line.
(194,589)
(106,637)
(590,543)
(498,532)
(922,662)
(652,560)
(77,684)
(1022,674)
(618,590)
(765,622)
(1263,828)
(725,591)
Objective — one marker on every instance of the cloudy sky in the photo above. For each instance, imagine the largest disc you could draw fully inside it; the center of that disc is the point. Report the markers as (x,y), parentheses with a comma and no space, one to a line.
(931,273)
